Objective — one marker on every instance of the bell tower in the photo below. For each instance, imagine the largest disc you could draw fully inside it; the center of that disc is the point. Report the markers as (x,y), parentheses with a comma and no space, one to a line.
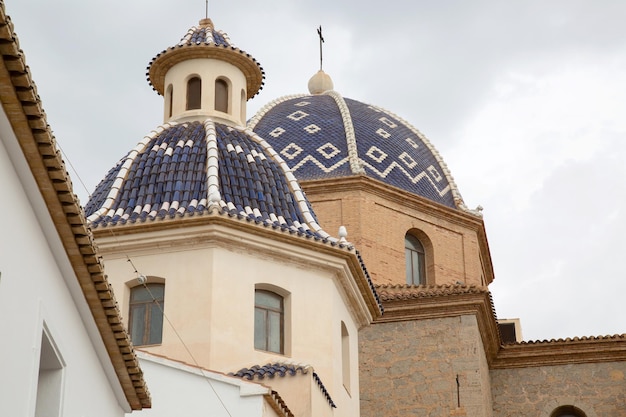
(205,75)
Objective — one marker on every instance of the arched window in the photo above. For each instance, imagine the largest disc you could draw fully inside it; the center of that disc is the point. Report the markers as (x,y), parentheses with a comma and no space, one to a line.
(345,356)
(415,263)
(268,321)
(194,93)
(146,314)
(169,99)
(221,95)
(568,411)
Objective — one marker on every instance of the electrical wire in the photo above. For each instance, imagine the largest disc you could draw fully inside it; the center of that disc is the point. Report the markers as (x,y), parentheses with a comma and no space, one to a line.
(144,283)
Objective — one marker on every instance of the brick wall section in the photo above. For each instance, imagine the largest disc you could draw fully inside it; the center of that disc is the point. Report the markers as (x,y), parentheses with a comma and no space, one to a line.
(598,389)
(377,226)
(410,368)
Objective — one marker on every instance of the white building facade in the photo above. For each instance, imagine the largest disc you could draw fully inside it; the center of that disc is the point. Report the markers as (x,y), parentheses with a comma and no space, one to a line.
(64,351)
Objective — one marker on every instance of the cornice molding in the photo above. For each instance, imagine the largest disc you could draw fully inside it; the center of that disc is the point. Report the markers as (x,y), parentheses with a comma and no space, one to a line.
(562,352)
(165,60)
(403,302)
(391,193)
(217,228)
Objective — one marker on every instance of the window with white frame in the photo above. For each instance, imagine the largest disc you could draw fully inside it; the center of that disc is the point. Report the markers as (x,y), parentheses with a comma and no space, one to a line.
(269,312)
(146,314)
(415,260)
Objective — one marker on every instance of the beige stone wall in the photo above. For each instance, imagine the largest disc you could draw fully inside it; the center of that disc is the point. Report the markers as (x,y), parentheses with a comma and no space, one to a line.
(598,389)
(410,368)
(377,226)
(208,70)
(210,274)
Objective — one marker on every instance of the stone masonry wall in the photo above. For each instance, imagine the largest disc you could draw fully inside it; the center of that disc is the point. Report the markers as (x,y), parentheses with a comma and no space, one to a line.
(597,389)
(410,368)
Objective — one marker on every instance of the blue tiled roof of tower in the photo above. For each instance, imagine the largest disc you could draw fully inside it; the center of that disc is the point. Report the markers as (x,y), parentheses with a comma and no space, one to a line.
(310,133)
(219,38)
(201,35)
(168,177)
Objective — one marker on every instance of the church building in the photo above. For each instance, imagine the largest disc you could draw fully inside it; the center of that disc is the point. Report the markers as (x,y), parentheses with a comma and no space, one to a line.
(322,248)
(316,257)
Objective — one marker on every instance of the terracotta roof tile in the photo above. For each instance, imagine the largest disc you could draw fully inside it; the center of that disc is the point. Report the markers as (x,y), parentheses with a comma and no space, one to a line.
(575,339)
(389,292)
(272,370)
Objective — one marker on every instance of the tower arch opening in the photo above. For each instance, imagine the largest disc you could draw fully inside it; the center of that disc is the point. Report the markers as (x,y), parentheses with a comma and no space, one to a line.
(222,95)
(194,93)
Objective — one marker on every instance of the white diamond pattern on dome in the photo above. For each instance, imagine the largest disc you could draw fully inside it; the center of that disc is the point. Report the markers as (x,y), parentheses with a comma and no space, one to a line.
(376,154)
(388,122)
(434,173)
(412,143)
(404,166)
(297,115)
(313,141)
(383,133)
(277,132)
(291,151)
(408,160)
(386,147)
(328,150)
(313,128)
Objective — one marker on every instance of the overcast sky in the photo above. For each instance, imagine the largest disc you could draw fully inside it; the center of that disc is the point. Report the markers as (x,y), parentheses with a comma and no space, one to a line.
(525,101)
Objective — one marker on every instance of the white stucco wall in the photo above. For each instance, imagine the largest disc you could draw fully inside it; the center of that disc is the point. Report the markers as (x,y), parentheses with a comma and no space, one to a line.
(179,389)
(37,288)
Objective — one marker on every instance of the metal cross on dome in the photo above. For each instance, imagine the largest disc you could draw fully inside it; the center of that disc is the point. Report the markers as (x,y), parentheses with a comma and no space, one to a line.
(319,32)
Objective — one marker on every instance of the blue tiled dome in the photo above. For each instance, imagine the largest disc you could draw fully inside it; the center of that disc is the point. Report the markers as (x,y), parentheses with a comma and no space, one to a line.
(181,169)
(328,136)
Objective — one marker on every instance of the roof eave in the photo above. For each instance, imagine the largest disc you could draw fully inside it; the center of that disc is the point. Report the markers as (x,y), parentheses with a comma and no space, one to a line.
(18,95)
(161,64)
(372,308)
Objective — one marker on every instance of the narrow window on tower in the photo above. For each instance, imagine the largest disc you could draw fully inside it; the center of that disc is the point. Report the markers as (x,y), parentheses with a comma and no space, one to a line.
(345,356)
(243,106)
(268,321)
(415,263)
(146,314)
(194,93)
(169,100)
(221,95)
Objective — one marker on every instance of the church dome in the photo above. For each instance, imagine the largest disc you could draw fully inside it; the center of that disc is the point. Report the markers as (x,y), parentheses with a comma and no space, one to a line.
(324,135)
(182,169)
(201,159)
